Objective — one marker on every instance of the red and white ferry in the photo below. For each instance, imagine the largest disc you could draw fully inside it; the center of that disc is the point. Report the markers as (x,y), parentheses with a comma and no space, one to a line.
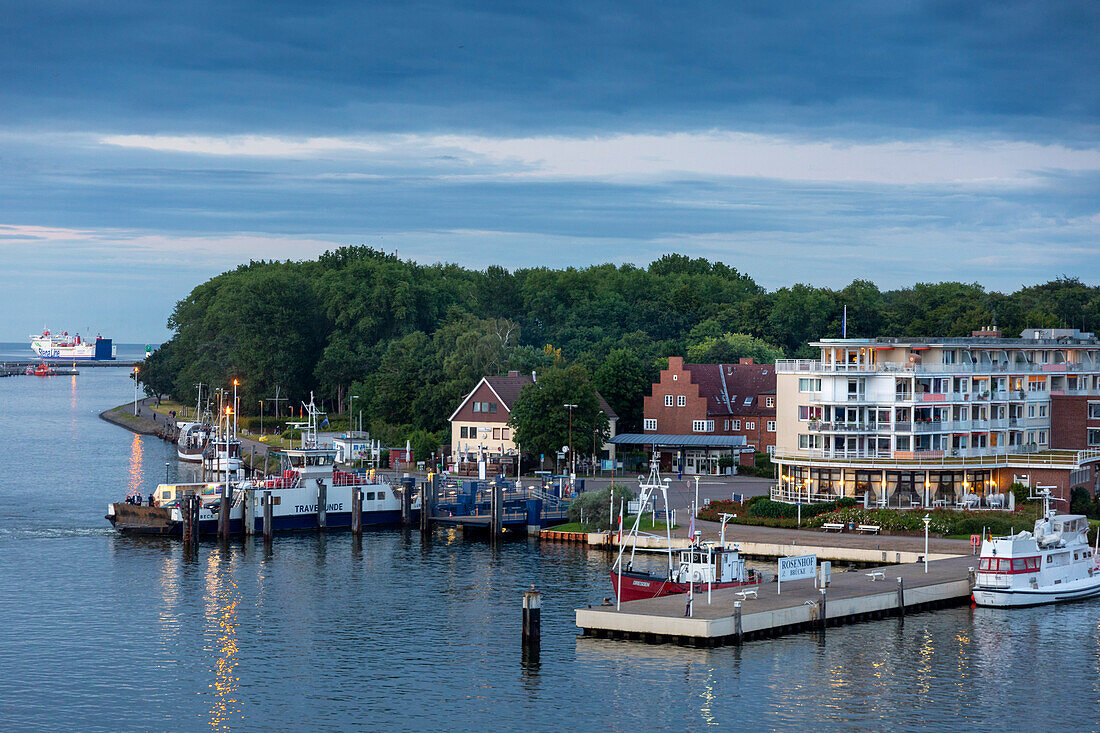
(702,565)
(63,347)
(1050,564)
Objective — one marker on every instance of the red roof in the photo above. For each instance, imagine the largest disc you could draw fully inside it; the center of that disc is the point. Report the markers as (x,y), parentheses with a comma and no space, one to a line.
(734,389)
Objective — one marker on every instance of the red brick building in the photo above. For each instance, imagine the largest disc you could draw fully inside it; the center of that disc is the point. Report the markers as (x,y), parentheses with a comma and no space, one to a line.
(1074,422)
(713,399)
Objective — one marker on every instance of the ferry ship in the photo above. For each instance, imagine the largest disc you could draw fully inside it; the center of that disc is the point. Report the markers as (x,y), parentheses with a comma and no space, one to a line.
(305,475)
(63,347)
(1051,564)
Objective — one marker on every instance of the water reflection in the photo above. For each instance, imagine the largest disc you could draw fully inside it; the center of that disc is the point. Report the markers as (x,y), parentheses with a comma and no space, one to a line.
(222,599)
(136,474)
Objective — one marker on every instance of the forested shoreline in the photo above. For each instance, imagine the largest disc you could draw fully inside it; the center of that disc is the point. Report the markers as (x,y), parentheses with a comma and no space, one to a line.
(411,340)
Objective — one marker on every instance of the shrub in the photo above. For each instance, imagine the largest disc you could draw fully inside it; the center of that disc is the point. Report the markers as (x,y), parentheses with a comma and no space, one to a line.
(595,506)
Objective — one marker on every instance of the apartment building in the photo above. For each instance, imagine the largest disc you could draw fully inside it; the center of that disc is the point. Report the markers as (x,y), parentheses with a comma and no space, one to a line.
(939,421)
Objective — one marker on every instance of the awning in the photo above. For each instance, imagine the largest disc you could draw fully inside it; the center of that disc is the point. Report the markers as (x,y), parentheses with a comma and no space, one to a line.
(681,441)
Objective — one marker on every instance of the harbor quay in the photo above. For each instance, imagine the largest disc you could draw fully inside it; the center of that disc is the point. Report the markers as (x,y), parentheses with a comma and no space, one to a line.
(731,616)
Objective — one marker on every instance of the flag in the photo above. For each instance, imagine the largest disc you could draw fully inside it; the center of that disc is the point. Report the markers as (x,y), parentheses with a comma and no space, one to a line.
(324,423)
(620,525)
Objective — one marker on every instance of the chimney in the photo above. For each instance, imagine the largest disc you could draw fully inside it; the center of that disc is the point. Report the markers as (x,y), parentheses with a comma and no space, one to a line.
(675,363)
(745,360)
(987,332)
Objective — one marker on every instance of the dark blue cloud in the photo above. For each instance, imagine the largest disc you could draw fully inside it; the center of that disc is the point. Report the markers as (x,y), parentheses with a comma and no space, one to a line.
(857,68)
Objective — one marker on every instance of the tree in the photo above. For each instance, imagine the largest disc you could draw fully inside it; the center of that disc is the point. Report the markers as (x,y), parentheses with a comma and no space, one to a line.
(731,347)
(622,380)
(540,420)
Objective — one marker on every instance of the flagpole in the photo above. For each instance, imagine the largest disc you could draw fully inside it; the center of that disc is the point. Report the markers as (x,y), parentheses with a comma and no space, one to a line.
(844,324)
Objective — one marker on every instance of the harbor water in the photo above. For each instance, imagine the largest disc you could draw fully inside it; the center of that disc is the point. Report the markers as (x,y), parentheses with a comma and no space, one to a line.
(103,632)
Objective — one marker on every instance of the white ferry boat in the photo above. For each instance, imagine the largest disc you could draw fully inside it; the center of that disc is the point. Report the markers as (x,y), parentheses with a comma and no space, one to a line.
(305,474)
(63,347)
(1050,564)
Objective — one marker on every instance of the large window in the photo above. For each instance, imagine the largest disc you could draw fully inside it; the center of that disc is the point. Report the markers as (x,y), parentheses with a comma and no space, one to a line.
(806,442)
(702,426)
(1094,411)
(668,400)
(809,384)
(681,400)
(650,423)
(771,426)
(1094,437)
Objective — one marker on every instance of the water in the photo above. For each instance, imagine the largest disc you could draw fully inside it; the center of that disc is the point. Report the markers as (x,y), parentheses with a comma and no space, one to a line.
(102,632)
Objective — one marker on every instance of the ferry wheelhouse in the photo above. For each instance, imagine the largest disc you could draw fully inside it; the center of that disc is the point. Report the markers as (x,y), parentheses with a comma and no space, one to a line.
(1050,564)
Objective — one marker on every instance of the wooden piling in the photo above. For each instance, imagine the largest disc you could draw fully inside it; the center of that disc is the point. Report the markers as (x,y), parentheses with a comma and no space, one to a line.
(223,513)
(188,518)
(357,511)
(407,486)
(532,619)
(196,508)
(248,514)
(737,632)
(823,621)
(268,512)
(322,500)
(497,510)
(427,503)
(901,599)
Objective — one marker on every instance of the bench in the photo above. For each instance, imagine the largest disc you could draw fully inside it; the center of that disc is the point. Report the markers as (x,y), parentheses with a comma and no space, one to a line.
(828,526)
(872,528)
(876,575)
(748,592)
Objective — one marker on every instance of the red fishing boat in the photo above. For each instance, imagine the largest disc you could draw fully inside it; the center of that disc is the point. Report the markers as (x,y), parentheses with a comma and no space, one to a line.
(702,565)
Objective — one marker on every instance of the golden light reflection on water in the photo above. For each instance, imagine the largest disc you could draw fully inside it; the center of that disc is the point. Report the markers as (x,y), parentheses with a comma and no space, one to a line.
(135,479)
(708,695)
(222,599)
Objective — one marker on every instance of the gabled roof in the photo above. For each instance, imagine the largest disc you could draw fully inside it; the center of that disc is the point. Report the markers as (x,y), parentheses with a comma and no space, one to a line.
(508,387)
(734,389)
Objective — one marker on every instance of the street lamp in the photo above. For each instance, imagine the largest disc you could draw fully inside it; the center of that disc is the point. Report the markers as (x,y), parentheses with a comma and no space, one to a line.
(261,417)
(235,383)
(572,460)
(351,410)
(926,519)
(135,390)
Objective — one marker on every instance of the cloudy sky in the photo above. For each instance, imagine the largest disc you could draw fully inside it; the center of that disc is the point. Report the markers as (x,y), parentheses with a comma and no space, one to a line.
(147,146)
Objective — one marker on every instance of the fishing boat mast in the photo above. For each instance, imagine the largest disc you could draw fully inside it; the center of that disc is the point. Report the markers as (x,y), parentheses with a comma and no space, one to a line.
(647,488)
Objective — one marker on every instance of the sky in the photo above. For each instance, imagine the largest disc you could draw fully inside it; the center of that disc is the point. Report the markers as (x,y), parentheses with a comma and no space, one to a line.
(146,147)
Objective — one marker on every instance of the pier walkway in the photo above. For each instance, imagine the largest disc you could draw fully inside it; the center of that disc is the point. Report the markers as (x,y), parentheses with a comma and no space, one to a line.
(851,596)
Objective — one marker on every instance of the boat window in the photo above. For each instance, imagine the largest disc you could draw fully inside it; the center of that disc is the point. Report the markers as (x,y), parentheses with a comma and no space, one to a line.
(1033,563)
(1019,563)
(370,496)
(983,564)
(381,495)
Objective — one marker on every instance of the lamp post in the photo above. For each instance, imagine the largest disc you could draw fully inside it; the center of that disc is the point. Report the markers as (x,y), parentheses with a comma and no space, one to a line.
(572,460)
(135,390)
(926,519)
(235,383)
(351,410)
(261,417)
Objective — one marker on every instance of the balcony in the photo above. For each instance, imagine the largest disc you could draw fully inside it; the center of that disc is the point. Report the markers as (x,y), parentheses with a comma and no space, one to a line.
(848,427)
(812,366)
(991,457)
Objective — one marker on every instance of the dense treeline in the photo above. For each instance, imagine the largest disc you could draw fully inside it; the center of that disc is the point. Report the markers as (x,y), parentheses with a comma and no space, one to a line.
(409,340)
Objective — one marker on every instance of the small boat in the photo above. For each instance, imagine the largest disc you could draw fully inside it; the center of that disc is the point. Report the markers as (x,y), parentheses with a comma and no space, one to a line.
(195,436)
(702,564)
(42,370)
(1050,564)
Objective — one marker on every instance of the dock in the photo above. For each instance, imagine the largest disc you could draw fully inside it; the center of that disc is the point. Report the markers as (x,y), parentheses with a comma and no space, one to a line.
(731,618)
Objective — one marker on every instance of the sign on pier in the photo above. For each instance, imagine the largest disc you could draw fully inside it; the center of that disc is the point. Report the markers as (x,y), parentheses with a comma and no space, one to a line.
(798,567)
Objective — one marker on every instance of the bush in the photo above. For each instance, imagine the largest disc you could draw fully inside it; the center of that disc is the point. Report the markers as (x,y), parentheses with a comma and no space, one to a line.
(763,508)
(944,521)
(595,506)
(292,434)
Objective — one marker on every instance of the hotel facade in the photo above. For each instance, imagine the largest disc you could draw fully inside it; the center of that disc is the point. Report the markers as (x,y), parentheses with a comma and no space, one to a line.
(939,421)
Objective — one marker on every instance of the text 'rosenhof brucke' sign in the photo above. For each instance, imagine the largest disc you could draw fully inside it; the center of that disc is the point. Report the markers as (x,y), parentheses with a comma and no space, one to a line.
(799,567)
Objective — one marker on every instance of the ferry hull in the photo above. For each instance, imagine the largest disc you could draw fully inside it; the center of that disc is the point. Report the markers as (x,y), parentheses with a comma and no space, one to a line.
(1019,597)
(142,520)
(638,586)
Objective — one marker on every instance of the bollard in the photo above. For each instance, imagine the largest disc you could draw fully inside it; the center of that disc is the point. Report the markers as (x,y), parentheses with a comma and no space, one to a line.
(248,515)
(901,599)
(268,511)
(823,620)
(532,619)
(356,511)
(427,504)
(185,509)
(407,486)
(322,499)
(737,622)
(497,511)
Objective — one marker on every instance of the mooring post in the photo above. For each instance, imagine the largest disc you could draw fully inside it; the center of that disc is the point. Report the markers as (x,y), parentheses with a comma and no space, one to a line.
(822,621)
(268,511)
(196,510)
(901,599)
(248,513)
(427,504)
(252,461)
(356,511)
(532,619)
(408,484)
(187,518)
(223,513)
(322,499)
(737,622)
(498,510)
